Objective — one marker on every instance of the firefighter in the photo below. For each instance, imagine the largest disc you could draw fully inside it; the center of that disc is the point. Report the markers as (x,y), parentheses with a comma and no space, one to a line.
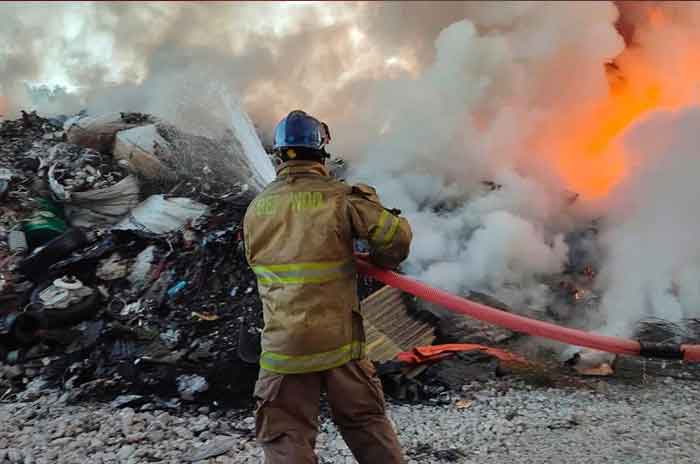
(299,238)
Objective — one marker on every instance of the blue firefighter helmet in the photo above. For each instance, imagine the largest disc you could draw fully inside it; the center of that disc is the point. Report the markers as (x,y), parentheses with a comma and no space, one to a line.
(300,130)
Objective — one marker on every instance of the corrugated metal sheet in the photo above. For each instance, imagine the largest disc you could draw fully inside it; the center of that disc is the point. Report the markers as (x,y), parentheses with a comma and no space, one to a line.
(389,326)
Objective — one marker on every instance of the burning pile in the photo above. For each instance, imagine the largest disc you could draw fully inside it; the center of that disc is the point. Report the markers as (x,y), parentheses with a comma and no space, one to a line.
(587,217)
(123,270)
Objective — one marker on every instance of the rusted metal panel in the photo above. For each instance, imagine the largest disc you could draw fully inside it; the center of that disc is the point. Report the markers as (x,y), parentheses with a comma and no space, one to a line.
(390,327)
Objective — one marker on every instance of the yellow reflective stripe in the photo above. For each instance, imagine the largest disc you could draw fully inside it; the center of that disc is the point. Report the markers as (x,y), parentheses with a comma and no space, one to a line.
(321,265)
(386,230)
(304,273)
(285,364)
(392,231)
(380,227)
(298,280)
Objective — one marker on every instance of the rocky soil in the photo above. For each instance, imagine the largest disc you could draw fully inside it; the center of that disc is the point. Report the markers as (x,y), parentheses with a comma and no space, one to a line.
(492,422)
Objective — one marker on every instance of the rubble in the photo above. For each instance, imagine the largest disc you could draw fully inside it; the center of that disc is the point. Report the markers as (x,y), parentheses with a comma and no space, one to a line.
(159,215)
(99,133)
(136,147)
(628,423)
(124,271)
(191,385)
(216,447)
(651,330)
(590,362)
(76,169)
(84,233)
(123,275)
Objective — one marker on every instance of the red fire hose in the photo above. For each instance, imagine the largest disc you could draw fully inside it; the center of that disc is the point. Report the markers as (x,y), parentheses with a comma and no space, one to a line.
(530,326)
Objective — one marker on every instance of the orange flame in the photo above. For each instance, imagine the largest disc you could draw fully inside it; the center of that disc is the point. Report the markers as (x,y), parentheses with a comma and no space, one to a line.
(590,165)
(657,18)
(588,160)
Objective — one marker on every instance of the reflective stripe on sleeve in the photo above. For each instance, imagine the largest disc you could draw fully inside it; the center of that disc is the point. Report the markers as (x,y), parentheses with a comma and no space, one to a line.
(385,230)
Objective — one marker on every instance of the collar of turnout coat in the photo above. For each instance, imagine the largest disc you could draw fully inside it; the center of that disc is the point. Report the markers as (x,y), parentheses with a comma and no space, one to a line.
(291,168)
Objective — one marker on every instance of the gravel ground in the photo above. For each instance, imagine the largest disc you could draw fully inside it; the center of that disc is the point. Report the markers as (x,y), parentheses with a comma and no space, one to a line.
(492,422)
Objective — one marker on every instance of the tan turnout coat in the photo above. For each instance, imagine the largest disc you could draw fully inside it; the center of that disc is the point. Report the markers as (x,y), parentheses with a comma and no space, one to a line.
(299,234)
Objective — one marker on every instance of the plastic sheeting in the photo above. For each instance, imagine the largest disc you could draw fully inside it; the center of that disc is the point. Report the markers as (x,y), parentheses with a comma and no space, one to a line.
(432,353)
(103,206)
(160,215)
(96,132)
(262,169)
(137,146)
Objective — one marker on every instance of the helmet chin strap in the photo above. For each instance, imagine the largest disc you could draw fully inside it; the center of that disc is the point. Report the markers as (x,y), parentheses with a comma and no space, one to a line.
(290,154)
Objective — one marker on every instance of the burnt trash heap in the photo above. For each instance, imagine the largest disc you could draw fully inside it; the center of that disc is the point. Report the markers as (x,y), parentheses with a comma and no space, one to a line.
(122,268)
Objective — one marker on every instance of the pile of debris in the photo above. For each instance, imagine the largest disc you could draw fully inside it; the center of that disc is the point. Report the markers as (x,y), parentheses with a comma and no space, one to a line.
(121,258)
(122,268)
(123,275)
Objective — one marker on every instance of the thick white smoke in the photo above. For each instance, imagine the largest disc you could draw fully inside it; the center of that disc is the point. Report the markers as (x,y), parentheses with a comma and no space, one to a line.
(652,262)
(469,117)
(426,99)
(653,267)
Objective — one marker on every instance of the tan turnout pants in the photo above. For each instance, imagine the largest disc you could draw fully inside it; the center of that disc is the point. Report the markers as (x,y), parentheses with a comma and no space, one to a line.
(288,407)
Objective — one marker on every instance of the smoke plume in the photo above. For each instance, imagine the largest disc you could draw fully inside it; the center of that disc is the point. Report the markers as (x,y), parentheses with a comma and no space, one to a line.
(653,267)
(480,120)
